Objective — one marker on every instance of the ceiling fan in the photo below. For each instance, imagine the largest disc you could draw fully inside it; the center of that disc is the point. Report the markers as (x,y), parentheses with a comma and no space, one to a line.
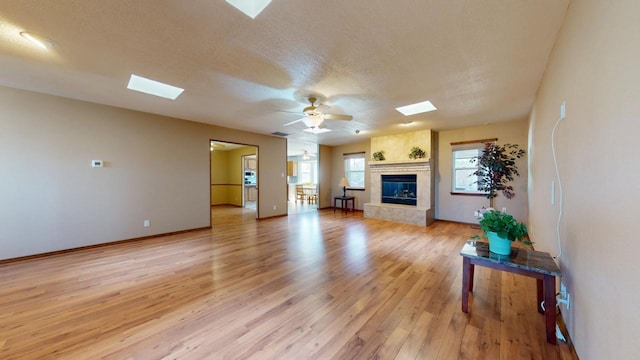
(314,115)
(307,156)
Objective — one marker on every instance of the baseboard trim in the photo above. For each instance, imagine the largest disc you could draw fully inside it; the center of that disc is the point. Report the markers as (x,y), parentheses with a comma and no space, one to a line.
(565,332)
(65,251)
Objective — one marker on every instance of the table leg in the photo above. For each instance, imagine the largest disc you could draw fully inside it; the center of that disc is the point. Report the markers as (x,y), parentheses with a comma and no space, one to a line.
(540,295)
(472,269)
(467,282)
(550,307)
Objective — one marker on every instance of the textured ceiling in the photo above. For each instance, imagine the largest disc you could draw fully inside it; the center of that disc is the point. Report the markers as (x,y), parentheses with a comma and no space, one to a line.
(477,61)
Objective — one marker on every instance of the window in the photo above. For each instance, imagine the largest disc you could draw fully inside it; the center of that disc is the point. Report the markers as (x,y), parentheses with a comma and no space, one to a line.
(307,172)
(463,166)
(354,170)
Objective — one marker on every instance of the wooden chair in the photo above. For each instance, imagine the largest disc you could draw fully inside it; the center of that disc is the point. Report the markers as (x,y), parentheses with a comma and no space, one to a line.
(300,195)
(312,196)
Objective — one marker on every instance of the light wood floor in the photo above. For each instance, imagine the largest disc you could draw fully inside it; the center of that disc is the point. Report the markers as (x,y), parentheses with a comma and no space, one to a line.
(311,285)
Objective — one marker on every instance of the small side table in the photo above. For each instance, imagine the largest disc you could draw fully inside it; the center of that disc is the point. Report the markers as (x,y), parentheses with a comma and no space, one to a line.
(535,264)
(344,200)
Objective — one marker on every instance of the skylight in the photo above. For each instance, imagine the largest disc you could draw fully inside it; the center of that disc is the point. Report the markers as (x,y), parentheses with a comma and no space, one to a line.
(251,8)
(417,108)
(152,87)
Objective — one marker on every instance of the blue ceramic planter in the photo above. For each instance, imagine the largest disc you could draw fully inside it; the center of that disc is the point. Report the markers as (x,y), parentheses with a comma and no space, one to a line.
(498,245)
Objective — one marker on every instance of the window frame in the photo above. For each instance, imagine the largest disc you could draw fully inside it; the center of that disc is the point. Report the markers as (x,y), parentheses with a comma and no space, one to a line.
(347,172)
(313,171)
(465,146)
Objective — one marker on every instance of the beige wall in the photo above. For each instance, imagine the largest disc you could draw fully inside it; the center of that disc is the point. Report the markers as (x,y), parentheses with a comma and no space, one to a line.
(157,169)
(461,207)
(398,146)
(325,182)
(594,68)
(337,171)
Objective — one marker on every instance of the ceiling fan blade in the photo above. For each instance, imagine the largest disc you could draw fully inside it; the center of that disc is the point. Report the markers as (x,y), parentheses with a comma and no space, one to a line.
(288,111)
(322,108)
(294,121)
(338,117)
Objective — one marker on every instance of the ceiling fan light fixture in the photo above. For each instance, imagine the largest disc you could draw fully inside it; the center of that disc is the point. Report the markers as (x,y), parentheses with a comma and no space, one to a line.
(417,108)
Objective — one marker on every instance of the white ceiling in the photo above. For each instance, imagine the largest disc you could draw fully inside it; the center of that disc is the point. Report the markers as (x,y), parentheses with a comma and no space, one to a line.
(477,61)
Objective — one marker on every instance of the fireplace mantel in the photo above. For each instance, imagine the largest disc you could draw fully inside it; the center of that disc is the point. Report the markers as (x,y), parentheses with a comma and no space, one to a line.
(385,163)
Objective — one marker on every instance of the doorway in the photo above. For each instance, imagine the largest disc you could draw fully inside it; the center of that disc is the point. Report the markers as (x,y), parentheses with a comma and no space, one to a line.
(302,177)
(234,176)
(250,183)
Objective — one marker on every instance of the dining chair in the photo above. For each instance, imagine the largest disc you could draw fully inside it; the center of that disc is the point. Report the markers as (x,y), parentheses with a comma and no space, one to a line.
(300,194)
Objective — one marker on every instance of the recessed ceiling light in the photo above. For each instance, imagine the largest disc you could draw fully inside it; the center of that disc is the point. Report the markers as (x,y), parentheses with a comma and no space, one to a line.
(41,41)
(152,87)
(317,130)
(251,8)
(416,108)
(407,123)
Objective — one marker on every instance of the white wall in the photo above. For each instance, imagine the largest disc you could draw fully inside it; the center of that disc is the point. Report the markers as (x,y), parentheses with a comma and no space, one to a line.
(461,207)
(157,169)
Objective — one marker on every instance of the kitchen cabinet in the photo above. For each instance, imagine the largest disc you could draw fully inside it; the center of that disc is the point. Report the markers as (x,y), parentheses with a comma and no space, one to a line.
(251,193)
(292,168)
(251,163)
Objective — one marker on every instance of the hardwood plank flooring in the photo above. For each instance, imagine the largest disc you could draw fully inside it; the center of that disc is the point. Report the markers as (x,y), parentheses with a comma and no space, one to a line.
(317,285)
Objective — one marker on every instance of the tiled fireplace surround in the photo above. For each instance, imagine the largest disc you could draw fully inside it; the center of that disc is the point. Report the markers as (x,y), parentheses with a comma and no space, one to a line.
(421,214)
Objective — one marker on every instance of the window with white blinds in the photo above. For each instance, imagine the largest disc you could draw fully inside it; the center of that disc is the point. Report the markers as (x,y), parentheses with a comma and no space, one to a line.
(354,166)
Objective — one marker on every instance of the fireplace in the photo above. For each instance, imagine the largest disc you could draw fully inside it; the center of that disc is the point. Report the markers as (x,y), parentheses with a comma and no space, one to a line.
(399,189)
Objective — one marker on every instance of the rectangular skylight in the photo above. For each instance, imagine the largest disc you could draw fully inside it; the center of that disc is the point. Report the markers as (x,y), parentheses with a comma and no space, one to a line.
(317,130)
(251,8)
(152,87)
(416,108)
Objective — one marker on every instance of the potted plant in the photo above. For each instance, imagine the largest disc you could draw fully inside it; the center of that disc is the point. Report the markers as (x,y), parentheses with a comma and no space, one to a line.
(417,153)
(502,229)
(378,155)
(496,168)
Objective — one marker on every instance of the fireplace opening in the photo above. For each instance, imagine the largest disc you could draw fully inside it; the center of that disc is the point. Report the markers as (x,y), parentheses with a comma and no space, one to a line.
(400,189)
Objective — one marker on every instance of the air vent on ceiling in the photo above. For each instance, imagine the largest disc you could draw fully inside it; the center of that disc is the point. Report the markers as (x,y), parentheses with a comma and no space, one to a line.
(278,133)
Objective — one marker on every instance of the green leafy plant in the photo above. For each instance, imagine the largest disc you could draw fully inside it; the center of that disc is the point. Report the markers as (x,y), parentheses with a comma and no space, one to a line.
(378,155)
(505,225)
(496,168)
(417,153)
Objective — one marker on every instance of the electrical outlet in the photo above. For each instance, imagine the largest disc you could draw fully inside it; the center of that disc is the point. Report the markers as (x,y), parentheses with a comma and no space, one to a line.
(274,207)
(563,110)
(146,223)
(565,297)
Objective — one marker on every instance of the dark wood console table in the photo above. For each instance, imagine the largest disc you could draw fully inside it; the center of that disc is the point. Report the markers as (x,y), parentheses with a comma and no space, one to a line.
(535,264)
(344,200)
